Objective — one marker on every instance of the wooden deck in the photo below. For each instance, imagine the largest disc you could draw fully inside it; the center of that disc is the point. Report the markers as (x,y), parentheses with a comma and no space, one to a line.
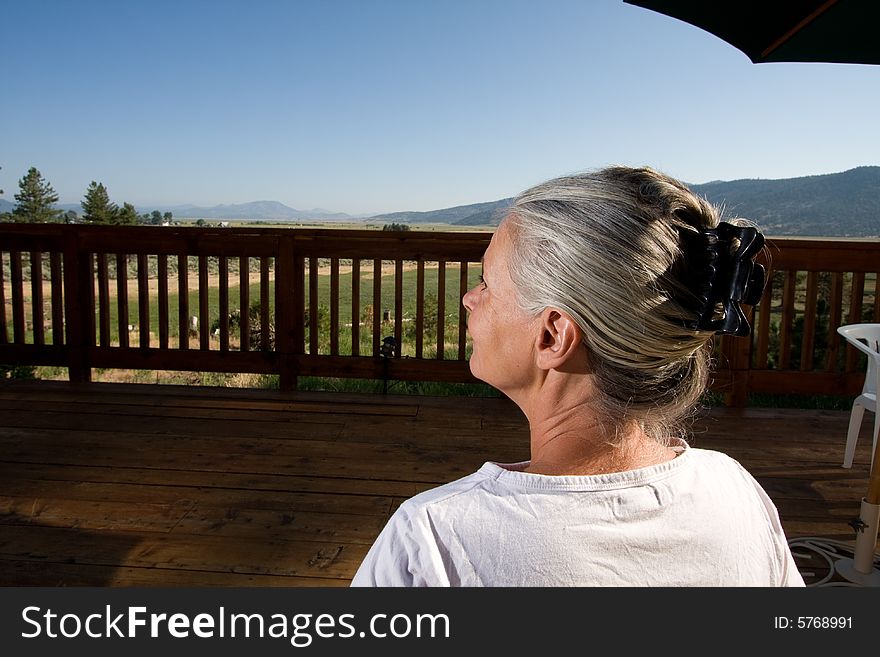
(146,485)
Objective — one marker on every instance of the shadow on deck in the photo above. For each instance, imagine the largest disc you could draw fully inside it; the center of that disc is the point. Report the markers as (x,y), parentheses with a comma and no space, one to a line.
(145,485)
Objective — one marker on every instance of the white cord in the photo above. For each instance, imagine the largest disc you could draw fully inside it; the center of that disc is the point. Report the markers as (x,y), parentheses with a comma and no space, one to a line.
(828,549)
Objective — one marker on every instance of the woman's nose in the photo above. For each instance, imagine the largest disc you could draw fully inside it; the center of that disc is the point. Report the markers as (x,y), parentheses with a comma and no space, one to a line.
(468,299)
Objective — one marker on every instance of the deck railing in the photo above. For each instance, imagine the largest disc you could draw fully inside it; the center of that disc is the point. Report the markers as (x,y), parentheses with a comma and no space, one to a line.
(322,302)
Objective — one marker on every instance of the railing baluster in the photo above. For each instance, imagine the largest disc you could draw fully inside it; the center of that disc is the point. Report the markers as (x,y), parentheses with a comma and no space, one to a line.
(37,297)
(334,306)
(244,289)
(265,338)
(57,292)
(15,273)
(285,314)
(103,301)
(462,314)
(122,297)
(204,317)
(162,276)
(377,304)
(224,303)
(876,315)
(299,302)
(398,306)
(787,321)
(835,311)
(856,301)
(4,336)
(143,301)
(313,305)
(765,309)
(355,307)
(420,308)
(441,309)
(183,300)
(809,332)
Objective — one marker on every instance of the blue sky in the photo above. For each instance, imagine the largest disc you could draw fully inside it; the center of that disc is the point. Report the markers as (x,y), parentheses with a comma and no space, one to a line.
(368,106)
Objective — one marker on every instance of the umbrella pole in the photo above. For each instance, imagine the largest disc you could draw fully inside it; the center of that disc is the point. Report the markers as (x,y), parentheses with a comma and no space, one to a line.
(860,569)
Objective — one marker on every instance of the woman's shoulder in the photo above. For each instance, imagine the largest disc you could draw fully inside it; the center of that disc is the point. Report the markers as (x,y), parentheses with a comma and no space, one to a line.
(447,492)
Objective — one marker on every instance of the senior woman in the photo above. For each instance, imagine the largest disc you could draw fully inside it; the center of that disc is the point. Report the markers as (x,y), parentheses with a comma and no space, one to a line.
(595,313)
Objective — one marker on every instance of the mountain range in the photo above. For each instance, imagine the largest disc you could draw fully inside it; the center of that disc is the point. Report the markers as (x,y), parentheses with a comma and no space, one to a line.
(845,204)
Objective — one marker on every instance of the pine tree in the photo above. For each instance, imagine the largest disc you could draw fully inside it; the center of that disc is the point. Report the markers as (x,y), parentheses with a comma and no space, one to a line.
(35,199)
(96,205)
(127,215)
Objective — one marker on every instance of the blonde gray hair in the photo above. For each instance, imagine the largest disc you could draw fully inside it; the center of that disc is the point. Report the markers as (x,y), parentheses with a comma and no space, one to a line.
(606,248)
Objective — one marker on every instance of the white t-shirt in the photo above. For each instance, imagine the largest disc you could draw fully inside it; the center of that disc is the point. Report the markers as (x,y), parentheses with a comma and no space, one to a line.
(697,520)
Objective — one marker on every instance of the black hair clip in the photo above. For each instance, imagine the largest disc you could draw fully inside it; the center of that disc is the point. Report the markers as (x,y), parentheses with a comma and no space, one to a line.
(731,276)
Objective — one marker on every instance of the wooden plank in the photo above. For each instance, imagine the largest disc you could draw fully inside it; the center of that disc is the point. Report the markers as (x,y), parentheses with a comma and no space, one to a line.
(78,285)
(334,306)
(265,320)
(204,313)
(189,360)
(143,300)
(223,265)
(786,324)
(857,293)
(420,309)
(809,334)
(15,572)
(4,335)
(299,304)
(37,318)
(103,300)
(313,305)
(217,493)
(398,307)
(305,492)
(185,552)
(876,317)
(377,305)
(122,298)
(285,315)
(57,293)
(183,300)
(355,307)
(834,314)
(162,273)
(441,309)
(765,309)
(462,315)
(244,301)
(15,274)
(65,512)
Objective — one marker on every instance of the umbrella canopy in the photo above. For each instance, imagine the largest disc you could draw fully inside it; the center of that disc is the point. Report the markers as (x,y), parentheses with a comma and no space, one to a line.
(840,31)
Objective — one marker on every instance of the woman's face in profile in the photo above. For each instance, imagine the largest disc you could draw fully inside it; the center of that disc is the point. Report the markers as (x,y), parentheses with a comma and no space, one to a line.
(502,333)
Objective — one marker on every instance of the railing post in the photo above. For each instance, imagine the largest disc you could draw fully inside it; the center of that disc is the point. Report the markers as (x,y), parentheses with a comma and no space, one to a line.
(79,307)
(285,315)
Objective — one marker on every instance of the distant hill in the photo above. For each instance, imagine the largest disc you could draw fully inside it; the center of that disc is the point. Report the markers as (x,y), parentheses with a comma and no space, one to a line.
(843,204)
(266,210)
(478,214)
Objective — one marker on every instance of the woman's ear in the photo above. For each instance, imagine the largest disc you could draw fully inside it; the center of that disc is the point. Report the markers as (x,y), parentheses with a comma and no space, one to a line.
(559,341)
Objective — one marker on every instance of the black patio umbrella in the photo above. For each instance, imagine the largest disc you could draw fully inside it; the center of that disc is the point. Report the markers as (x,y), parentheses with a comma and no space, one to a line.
(838,31)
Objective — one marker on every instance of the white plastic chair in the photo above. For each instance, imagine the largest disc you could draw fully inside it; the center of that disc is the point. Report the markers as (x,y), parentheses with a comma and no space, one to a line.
(865,338)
